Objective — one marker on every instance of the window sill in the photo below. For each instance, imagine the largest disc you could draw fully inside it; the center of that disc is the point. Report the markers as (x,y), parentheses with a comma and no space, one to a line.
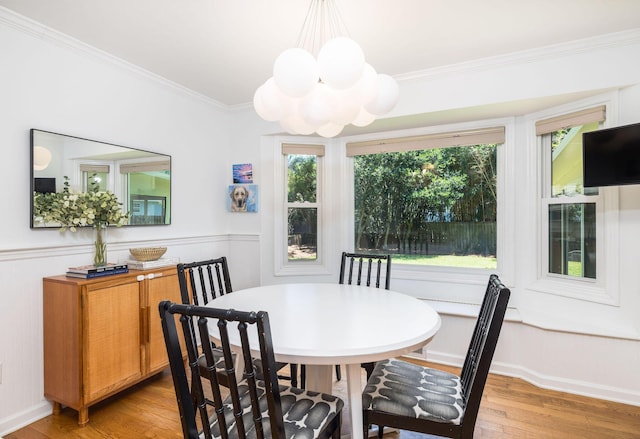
(610,325)
(468,310)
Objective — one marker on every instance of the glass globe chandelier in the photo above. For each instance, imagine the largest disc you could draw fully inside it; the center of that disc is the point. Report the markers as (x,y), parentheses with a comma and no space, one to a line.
(41,158)
(325,83)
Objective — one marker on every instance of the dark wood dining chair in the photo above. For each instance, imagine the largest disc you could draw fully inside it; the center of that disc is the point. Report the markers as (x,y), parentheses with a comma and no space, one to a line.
(203,281)
(250,407)
(360,269)
(408,396)
(368,268)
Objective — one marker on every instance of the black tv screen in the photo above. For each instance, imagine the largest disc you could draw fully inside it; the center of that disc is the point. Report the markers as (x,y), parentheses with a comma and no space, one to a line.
(611,156)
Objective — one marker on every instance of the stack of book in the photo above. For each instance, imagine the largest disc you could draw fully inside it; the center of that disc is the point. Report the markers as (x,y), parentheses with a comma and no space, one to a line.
(92,271)
(145,265)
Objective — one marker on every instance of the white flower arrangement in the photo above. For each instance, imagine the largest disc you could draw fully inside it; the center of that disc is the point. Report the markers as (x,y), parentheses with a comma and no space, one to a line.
(82,209)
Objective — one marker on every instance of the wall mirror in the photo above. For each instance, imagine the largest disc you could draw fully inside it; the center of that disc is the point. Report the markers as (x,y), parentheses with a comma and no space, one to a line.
(141,179)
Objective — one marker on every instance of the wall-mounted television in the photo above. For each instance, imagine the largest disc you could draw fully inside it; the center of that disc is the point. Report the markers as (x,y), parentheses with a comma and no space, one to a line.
(611,156)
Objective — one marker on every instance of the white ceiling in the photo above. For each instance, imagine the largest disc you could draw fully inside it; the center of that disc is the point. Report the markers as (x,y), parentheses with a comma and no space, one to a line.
(225,49)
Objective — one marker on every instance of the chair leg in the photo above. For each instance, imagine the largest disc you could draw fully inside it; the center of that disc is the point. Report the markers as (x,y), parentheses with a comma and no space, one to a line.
(338,373)
(337,432)
(303,376)
(368,367)
(293,368)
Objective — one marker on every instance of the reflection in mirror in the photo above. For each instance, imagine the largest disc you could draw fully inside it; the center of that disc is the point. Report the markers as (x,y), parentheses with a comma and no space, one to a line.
(140,179)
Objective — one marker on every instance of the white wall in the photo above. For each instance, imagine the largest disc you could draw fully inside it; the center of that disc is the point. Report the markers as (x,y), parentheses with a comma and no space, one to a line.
(58,85)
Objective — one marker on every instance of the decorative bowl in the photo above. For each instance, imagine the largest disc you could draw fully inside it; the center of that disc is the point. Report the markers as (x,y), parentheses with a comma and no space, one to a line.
(147,253)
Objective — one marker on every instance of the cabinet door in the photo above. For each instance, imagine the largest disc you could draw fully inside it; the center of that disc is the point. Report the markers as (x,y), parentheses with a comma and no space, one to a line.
(112,356)
(159,288)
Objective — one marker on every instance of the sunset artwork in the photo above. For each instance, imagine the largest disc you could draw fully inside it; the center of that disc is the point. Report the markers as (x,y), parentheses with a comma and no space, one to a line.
(243,173)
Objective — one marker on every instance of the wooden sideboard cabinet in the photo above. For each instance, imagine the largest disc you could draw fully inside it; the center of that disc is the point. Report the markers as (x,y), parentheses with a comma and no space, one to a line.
(103,335)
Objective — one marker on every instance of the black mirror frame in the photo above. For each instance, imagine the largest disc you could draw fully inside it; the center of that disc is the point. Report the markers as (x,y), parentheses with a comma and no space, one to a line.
(32,187)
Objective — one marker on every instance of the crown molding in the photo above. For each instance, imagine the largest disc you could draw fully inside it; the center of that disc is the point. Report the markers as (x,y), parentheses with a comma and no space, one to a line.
(554,51)
(41,32)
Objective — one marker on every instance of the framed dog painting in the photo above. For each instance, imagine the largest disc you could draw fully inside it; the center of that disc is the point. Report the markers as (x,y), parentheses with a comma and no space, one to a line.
(242,198)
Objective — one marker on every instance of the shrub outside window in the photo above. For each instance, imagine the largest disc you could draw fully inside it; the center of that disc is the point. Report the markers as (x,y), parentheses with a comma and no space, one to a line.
(302,201)
(428,201)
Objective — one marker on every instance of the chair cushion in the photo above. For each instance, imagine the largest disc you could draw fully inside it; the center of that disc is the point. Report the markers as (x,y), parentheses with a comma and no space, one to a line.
(405,389)
(305,413)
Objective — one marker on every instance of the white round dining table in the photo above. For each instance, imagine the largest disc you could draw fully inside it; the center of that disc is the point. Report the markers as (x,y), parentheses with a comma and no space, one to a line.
(324,324)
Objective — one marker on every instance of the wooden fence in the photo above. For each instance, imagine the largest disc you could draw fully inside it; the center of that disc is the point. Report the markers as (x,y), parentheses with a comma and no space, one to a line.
(455,238)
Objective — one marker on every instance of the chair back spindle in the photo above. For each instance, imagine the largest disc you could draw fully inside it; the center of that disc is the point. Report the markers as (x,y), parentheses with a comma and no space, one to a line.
(203,281)
(362,273)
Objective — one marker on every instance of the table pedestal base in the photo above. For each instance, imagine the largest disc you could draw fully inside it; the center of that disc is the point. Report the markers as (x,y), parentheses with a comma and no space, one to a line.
(320,378)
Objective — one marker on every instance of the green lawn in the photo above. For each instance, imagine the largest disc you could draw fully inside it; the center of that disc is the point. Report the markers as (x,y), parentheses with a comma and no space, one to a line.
(575,268)
(471,261)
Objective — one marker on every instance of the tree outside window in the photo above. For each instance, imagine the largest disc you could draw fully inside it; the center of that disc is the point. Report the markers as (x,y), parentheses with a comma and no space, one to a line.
(302,207)
(431,207)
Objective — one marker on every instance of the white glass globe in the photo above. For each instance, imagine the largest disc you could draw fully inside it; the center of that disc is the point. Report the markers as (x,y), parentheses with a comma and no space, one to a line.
(329,130)
(316,107)
(363,119)
(295,124)
(367,85)
(295,72)
(270,103)
(340,62)
(387,97)
(41,158)
(345,108)
(262,108)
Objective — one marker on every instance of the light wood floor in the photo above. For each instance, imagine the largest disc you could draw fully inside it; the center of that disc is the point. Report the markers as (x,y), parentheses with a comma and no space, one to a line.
(511,408)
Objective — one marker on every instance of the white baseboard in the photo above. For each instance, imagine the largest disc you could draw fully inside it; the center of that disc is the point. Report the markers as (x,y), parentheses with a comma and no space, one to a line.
(19,420)
(576,387)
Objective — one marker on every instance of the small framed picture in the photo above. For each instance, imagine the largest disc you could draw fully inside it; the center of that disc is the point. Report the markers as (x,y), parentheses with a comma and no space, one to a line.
(242,173)
(242,198)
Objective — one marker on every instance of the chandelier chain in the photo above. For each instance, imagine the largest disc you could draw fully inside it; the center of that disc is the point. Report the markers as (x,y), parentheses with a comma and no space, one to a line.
(322,23)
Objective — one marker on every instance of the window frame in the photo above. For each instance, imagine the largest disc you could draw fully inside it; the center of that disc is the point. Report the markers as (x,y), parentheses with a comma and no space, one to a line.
(284,266)
(604,289)
(547,200)
(505,224)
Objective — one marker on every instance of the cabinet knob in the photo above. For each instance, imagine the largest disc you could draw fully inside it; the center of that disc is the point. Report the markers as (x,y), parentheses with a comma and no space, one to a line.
(140,277)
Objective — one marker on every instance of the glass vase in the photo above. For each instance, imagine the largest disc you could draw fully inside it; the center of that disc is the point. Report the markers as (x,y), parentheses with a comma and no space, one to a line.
(100,245)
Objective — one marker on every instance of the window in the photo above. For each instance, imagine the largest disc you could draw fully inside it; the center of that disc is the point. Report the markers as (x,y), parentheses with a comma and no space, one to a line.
(95,176)
(147,188)
(147,209)
(302,202)
(571,211)
(429,200)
